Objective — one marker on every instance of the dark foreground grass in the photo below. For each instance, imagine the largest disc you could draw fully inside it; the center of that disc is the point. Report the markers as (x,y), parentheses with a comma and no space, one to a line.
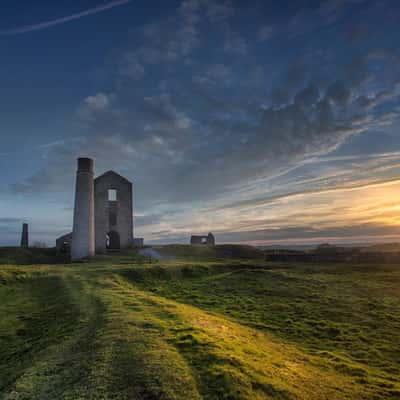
(116,328)
(31,256)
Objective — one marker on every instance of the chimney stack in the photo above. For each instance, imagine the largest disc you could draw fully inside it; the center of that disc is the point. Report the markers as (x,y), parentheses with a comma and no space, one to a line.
(83,228)
(25,236)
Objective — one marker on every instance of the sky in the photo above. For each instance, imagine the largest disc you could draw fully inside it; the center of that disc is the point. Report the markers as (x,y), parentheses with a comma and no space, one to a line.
(263,122)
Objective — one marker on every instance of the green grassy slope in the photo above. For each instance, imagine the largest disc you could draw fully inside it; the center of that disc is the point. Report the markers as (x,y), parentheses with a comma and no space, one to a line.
(117,328)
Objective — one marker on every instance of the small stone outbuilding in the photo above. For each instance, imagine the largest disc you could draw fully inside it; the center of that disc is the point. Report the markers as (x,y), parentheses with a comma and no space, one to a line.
(208,240)
(63,244)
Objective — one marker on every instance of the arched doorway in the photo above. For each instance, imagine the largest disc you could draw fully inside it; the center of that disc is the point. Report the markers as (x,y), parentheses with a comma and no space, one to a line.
(113,241)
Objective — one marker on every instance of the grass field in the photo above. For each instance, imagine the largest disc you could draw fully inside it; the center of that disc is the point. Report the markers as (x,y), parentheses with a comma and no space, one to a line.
(211,324)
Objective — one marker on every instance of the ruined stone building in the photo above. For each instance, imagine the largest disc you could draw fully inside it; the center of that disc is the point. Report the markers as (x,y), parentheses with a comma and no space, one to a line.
(103,213)
(63,243)
(113,212)
(206,240)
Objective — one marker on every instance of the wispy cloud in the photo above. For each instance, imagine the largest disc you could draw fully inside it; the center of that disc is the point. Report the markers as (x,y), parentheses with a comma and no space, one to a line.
(307,192)
(59,21)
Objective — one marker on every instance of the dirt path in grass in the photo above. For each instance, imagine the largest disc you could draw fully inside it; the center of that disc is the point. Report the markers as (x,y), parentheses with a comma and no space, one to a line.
(88,332)
(78,342)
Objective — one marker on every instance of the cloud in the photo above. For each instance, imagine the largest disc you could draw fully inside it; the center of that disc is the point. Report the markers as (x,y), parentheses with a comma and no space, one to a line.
(354,186)
(39,148)
(208,133)
(166,115)
(295,76)
(98,109)
(176,38)
(265,33)
(167,41)
(96,103)
(327,12)
(149,219)
(10,220)
(309,234)
(131,67)
(198,143)
(219,11)
(59,21)
(219,72)
(235,44)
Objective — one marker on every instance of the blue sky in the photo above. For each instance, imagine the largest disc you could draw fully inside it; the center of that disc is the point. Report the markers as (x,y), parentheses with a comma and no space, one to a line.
(262,121)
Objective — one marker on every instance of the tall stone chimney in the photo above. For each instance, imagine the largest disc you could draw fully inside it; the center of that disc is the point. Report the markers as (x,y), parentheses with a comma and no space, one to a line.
(25,236)
(83,229)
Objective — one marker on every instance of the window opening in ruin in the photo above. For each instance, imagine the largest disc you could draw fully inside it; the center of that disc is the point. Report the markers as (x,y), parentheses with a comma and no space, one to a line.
(112,195)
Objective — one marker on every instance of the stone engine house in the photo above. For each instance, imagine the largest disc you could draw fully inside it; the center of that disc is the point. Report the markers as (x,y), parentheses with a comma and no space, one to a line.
(103,213)
(113,212)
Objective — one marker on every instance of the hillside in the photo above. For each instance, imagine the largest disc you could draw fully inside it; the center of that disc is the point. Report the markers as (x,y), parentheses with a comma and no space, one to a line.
(204,253)
(208,324)
(384,247)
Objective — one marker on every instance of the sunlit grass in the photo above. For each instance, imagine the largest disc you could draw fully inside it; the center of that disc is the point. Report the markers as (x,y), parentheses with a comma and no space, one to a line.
(198,327)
